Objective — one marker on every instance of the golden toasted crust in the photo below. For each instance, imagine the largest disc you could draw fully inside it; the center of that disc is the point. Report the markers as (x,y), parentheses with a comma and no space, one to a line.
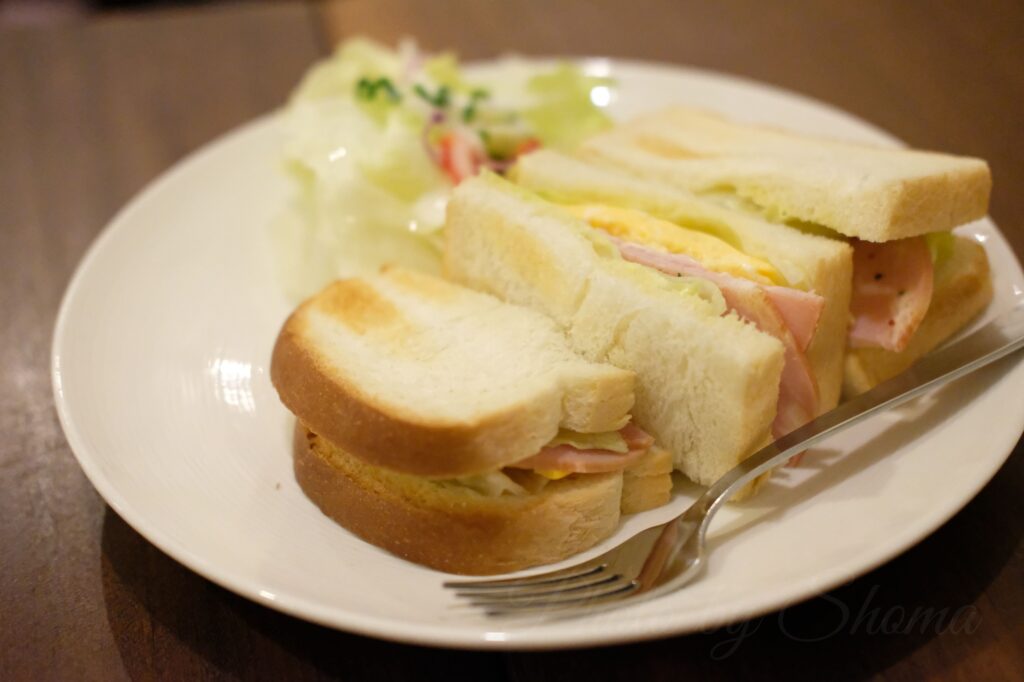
(452,528)
(339,411)
(312,376)
(356,304)
(424,286)
(963,287)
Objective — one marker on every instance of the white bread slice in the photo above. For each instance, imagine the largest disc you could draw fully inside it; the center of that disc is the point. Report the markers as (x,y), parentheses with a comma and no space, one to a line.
(963,288)
(640,493)
(648,482)
(454,528)
(423,376)
(707,385)
(873,193)
(656,462)
(808,262)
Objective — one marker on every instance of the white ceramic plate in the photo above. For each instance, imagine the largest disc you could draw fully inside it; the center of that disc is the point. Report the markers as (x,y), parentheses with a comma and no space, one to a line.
(160,374)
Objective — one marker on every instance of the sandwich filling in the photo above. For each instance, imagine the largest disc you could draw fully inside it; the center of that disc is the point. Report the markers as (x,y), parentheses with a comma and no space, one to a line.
(563,456)
(751,288)
(893,281)
(892,290)
(568,453)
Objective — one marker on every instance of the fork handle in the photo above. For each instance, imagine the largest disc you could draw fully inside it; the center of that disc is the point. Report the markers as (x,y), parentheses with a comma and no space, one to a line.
(995,340)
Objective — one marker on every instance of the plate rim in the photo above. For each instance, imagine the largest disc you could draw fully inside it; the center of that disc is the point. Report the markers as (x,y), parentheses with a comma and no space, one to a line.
(445,635)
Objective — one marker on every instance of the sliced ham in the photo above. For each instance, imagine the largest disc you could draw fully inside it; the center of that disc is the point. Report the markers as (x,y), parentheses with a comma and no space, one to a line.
(635,437)
(789,315)
(800,310)
(892,289)
(568,458)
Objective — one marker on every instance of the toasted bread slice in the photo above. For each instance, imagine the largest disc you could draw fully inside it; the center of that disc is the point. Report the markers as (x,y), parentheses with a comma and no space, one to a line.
(707,384)
(962,289)
(863,191)
(808,262)
(410,372)
(648,483)
(452,527)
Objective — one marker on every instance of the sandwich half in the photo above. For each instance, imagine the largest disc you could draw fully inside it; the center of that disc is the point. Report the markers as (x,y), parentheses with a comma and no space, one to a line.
(708,382)
(788,283)
(456,430)
(914,283)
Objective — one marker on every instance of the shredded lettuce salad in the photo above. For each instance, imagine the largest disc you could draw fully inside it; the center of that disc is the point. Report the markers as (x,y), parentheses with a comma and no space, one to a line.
(375,139)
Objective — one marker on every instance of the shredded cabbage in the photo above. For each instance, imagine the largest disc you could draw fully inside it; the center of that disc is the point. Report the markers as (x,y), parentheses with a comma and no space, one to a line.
(375,139)
(491,484)
(607,440)
(941,246)
(700,287)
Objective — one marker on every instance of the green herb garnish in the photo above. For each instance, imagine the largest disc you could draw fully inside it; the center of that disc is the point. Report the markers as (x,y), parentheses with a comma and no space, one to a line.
(475,97)
(367,89)
(439,99)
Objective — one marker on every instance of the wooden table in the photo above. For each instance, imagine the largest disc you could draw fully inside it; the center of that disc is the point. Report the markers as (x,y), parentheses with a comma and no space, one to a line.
(91,112)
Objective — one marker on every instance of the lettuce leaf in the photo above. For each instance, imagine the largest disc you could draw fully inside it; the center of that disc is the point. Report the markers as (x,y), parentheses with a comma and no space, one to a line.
(352,60)
(363,150)
(491,484)
(699,287)
(941,246)
(607,440)
(564,112)
(444,70)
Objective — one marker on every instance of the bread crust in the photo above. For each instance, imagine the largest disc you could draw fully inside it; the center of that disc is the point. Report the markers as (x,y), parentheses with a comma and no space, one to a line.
(809,262)
(313,380)
(338,411)
(710,413)
(456,530)
(874,193)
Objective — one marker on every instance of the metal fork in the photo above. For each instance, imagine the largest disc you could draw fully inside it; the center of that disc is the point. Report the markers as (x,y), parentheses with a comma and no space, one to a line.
(666,557)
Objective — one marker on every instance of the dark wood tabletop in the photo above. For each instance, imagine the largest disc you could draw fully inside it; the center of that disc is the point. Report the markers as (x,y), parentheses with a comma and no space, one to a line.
(93,110)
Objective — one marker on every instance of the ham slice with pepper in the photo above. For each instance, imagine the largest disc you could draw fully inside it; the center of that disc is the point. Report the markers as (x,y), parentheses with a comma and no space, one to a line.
(892,290)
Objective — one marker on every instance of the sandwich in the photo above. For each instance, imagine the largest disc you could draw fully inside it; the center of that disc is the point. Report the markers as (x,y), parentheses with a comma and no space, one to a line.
(914,283)
(789,284)
(458,431)
(710,383)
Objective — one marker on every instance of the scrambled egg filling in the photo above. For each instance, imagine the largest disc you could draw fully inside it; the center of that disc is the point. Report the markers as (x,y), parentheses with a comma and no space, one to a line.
(710,251)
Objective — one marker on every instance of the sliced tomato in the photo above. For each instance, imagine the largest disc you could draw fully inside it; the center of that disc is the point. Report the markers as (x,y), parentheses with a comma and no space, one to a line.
(527,146)
(460,159)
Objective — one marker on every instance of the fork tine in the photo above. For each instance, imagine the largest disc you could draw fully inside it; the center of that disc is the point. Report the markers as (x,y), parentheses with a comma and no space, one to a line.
(588,582)
(554,577)
(563,606)
(532,599)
